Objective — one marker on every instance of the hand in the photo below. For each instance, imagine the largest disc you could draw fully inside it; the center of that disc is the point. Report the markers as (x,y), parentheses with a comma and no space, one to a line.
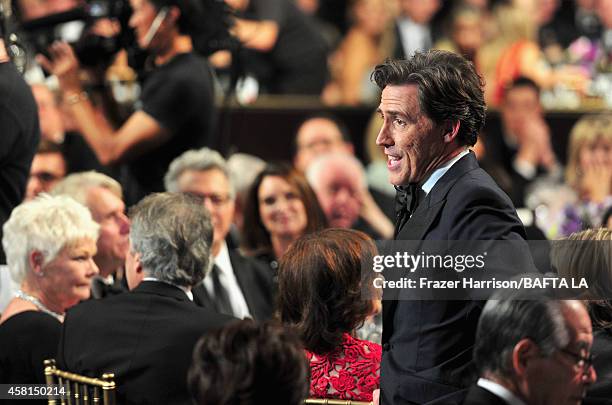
(596,181)
(535,147)
(373,215)
(63,64)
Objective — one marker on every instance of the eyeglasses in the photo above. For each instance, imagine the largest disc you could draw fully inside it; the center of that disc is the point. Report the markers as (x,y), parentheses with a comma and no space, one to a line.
(584,363)
(215,199)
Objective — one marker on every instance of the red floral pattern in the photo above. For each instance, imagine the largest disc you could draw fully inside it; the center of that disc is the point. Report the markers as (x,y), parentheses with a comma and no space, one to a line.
(350,372)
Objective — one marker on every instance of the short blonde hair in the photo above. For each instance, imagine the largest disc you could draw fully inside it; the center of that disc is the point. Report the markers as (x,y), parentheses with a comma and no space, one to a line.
(587,130)
(77,185)
(46,224)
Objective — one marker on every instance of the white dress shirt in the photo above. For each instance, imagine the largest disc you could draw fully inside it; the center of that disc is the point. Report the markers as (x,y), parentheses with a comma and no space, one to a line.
(228,280)
(501,391)
(414,37)
(440,171)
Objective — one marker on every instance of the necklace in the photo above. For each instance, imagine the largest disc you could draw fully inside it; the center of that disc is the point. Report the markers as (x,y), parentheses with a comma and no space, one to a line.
(39,305)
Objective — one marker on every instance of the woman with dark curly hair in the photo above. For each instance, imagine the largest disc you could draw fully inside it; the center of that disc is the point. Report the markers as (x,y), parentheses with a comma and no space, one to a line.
(320,295)
(249,364)
(280,207)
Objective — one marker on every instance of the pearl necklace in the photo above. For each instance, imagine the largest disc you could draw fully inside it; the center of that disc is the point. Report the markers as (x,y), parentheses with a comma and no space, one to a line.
(39,305)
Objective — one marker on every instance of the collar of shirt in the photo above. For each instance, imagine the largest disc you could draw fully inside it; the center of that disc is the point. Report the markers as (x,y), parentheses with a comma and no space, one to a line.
(440,171)
(186,290)
(108,280)
(499,390)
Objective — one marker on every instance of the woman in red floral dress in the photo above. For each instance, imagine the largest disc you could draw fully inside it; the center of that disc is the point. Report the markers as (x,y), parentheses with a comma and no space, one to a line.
(320,295)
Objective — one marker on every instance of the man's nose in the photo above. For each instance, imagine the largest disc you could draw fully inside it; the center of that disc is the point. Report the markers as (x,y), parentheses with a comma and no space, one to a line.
(383,138)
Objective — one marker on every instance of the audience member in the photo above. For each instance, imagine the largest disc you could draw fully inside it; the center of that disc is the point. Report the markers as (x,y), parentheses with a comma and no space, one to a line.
(104,198)
(236,285)
(521,147)
(287,53)
(466,33)
(321,295)
(589,173)
(48,167)
(325,133)
(364,46)
(249,364)
(50,243)
(413,31)
(146,336)
(280,208)
(177,100)
(532,349)
(588,255)
(339,182)
(243,170)
(78,155)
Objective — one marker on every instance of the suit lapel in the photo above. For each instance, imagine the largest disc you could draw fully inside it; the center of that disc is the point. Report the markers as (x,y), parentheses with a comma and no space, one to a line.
(244,282)
(201,296)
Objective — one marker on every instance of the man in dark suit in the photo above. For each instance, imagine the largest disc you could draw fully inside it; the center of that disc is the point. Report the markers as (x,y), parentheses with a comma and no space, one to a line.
(432,107)
(533,350)
(146,336)
(237,285)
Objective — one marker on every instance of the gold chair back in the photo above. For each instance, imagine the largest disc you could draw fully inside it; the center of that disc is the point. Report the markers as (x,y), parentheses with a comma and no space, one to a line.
(326,401)
(80,390)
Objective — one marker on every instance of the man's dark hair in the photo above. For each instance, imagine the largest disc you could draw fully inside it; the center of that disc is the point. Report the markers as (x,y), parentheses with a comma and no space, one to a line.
(344,131)
(522,81)
(449,88)
(249,364)
(512,315)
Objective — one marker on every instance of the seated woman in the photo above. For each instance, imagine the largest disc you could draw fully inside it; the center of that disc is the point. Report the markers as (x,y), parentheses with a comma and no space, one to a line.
(49,243)
(588,255)
(589,172)
(280,207)
(255,364)
(320,295)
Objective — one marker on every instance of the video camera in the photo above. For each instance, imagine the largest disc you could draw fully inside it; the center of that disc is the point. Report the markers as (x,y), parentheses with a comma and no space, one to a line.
(91,49)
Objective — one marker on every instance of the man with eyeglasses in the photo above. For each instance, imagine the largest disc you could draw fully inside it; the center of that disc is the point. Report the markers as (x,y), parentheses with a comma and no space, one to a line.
(532,350)
(236,285)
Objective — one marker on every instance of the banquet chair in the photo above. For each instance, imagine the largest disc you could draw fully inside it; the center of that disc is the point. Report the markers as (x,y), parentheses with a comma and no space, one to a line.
(78,389)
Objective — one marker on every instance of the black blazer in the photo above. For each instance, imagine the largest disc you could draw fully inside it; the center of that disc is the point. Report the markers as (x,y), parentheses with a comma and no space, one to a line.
(145,336)
(479,396)
(427,345)
(256,282)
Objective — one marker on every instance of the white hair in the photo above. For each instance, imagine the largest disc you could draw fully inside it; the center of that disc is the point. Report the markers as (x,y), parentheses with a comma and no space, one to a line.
(197,160)
(77,185)
(243,169)
(46,224)
(344,160)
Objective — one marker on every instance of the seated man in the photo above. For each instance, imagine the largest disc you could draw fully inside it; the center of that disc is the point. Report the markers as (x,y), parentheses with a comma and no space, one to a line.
(146,336)
(104,198)
(236,285)
(339,182)
(255,364)
(532,350)
(48,167)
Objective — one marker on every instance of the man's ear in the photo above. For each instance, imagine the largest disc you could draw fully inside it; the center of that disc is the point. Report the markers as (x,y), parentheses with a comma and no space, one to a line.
(451,130)
(523,353)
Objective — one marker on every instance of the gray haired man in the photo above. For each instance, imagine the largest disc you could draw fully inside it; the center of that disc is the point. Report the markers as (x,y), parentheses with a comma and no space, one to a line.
(532,350)
(146,336)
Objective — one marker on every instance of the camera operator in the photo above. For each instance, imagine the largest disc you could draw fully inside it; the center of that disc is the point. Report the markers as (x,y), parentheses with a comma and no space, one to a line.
(176,108)
(19,134)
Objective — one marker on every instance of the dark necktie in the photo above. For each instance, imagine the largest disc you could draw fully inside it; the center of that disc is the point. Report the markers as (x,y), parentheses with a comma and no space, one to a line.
(221,300)
(407,200)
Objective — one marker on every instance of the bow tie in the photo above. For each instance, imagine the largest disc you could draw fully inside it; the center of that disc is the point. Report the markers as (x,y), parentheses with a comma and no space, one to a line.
(408,198)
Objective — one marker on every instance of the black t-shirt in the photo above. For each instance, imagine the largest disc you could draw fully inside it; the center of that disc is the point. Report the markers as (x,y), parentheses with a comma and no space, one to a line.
(297,64)
(179,95)
(19,137)
(27,339)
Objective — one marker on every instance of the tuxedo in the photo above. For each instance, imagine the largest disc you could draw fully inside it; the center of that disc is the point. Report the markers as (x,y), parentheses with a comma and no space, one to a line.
(145,337)
(255,281)
(427,345)
(479,396)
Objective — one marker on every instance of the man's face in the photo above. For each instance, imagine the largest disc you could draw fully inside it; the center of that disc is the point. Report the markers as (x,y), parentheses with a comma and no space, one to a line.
(46,170)
(560,379)
(520,104)
(315,137)
(414,145)
(338,191)
(213,186)
(49,114)
(109,211)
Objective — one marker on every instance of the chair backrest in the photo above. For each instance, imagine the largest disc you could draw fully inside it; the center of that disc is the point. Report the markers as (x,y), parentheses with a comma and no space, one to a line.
(328,401)
(78,389)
